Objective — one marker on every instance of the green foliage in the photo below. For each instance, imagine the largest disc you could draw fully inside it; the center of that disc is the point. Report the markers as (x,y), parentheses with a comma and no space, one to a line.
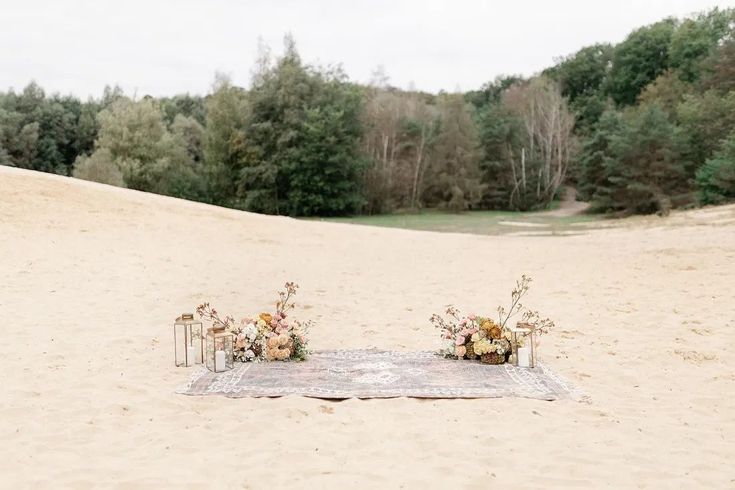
(99,167)
(224,149)
(189,134)
(191,106)
(5,157)
(527,145)
(302,136)
(719,68)
(500,132)
(638,60)
(454,176)
(644,173)
(667,91)
(716,178)
(698,37)
(323,175)
(594,156)
(633,126)
(134,141)
(491,92)
(583,73)
(704,121)
(39,132)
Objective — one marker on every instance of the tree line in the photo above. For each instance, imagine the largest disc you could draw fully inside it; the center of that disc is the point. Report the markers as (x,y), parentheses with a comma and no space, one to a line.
(638,127)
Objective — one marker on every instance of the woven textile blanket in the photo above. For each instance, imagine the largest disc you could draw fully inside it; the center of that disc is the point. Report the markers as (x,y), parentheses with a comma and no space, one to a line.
(340,374)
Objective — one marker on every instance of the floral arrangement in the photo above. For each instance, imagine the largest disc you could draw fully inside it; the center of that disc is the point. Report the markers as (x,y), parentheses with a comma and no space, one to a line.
(267,337)
(474,336)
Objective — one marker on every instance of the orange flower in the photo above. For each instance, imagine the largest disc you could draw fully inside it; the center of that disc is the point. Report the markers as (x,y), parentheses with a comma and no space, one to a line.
(279,347)
(266,317)
(492,329)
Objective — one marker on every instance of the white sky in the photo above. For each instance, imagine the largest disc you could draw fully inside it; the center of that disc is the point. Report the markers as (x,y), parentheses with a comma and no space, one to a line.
(164,47)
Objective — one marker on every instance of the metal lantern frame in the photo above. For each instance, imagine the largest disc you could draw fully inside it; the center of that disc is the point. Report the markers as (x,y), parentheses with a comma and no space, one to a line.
(219,339)
(191,331)
(520,331)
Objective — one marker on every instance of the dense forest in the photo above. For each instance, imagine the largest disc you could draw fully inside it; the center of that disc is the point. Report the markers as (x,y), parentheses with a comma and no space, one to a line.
(639,127)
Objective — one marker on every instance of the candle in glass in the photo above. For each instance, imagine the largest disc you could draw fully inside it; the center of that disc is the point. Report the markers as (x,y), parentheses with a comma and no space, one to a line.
(219,361)
(524,357)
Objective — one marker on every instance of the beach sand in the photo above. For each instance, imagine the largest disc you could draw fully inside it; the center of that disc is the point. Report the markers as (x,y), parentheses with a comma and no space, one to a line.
(93,276)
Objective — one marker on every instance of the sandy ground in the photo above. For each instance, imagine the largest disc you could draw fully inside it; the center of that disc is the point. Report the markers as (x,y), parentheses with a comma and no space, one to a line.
(92,277)
(568,205)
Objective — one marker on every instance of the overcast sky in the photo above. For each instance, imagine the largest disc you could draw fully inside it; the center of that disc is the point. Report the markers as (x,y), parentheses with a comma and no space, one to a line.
(164,47)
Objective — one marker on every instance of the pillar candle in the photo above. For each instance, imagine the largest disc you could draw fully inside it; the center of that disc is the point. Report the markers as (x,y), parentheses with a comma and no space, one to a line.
(219,361)
(524,357)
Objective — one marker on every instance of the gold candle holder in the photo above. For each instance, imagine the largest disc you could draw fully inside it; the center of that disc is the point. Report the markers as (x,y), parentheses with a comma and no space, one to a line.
(523,330)
(219,349)
(188,341)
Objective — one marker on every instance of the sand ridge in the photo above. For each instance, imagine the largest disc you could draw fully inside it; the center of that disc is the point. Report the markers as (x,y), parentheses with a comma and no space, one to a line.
(92,277)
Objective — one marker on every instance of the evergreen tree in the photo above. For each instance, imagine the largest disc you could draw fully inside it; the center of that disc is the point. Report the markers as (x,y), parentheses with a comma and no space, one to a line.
(224,147)
(644,173)
(594,156)
(704,121)
(500,132)
(716,178)
(303,133)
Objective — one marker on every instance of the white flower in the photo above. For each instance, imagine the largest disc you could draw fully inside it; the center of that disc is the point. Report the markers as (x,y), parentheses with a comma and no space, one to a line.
(250,331)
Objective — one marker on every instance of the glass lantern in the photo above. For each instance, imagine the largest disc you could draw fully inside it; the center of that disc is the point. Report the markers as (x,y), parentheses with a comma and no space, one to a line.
(523,356)
(188,341)
(219,349)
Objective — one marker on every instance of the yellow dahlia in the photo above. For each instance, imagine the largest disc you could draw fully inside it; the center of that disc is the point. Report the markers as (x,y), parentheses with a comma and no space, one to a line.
(483,347)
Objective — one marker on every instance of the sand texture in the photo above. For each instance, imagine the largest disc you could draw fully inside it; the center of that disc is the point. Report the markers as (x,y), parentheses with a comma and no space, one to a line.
(93,276)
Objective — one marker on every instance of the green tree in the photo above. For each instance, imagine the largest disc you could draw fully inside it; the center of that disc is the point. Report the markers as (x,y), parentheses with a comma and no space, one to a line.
(500,133)
(667,91)
(5,156)
(303,133)
(186,105)
(134,139)
(492,92)
(638,60)
(100,167)
(594,156)
(41,132)
(716,178)
(224,148)
(719,68)
(584,72)
(454,175)
(698,37)
(704,121)
(189,134)
(323,175)
(644,173)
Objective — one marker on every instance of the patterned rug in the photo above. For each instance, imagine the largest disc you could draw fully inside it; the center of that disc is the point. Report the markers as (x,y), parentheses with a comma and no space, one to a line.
(344,374)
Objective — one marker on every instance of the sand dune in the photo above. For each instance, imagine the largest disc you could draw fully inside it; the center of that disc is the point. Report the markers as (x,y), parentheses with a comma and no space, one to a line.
(92,277)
